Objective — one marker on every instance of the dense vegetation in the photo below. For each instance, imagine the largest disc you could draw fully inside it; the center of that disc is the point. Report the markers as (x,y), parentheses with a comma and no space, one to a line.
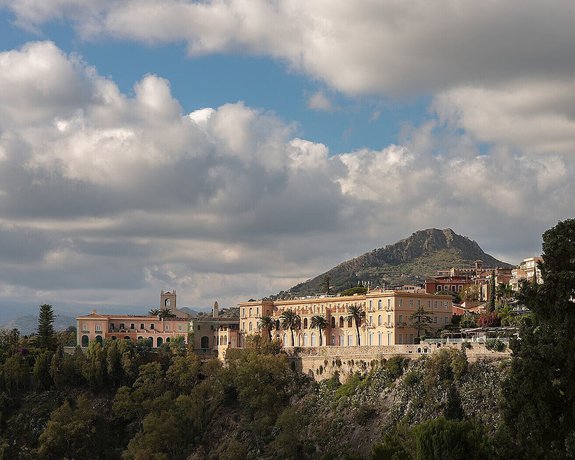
(123,400)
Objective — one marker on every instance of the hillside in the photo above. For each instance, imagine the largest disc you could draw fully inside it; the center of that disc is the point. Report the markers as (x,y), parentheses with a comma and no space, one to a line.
(29,323)
(408,261)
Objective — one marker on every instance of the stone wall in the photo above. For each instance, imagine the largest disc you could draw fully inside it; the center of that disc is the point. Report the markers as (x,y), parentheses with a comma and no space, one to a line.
(324,362)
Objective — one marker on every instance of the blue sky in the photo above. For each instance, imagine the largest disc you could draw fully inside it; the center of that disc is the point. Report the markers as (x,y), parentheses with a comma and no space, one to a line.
(231,149)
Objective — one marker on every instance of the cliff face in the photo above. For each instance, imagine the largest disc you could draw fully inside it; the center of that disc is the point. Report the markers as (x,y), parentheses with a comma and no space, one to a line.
(408,261)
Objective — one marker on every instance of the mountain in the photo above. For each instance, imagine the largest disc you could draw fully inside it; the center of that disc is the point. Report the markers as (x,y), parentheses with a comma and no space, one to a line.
(408,261)
(29,323)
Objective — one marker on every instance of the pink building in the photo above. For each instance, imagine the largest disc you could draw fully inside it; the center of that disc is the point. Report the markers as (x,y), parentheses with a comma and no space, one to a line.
(152,328)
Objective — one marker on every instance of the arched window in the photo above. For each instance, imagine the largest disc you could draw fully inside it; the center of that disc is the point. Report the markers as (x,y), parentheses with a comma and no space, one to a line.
(250,326)
(349,322)
(150,342)
(160,342)
(251,310)
(305,323)
(349,340)
(379,320)
(333,322)
(99,339)
(305,339)
(370,338)
(341,321)
(333,339)
(140,338)
(379,304)
(285,340)
(313,339)
(85,340)
(127,337)
(205,342)
(380,338)
(341,340)
(225,340)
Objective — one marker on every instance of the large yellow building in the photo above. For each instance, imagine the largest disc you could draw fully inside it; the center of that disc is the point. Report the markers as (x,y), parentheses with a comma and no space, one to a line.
(387,321)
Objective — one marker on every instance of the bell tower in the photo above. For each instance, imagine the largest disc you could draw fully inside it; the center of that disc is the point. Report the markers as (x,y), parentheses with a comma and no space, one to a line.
(168,300)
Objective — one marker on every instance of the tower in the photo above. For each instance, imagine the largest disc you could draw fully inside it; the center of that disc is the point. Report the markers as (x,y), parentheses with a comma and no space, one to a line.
(216,310)
(168,300)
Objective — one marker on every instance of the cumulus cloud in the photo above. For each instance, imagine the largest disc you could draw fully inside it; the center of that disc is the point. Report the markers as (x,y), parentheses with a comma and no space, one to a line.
(356,47)
(101,190)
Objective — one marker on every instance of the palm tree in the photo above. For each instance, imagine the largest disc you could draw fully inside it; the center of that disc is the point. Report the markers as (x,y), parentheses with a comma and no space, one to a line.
(504,293)
(268,323)
(290,320)
(357,314)
(321,323)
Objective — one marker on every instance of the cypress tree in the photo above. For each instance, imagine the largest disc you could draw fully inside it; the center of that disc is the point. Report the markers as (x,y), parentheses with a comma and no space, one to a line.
(492,293)
(46,337)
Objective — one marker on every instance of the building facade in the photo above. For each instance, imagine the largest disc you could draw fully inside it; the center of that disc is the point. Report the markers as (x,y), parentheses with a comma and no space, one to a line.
(388,318)
(155,329)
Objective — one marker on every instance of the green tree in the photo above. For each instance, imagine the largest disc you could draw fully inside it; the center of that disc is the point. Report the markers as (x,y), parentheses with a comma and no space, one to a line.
(267,323)
(291,321)
(421,320)
(356,313)
(442,439)
(76,430)
(319,322)
(46,337)
(41,371)
(539,394)
(492,293)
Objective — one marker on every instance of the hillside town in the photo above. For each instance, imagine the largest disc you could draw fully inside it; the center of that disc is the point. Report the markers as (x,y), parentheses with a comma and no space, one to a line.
(453,305)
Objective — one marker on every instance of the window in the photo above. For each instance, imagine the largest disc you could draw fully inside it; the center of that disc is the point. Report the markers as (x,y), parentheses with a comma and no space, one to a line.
(341,341)
(257,311)
(180,327)
(152,326)
(98,328)
(400,302)
(370,305)
(243,325)
(243,312)
(349,322)
(379,304)
(167,327)
(380,338)
(250,326)
(350,340)
(400,339)
(122,326)
(251,311)
(370,320)
(84,327)
(141,325)
(132,326)
(379,320)
(388,303)
(341,321)
(388,320)
(400,319)
(333,322)
(438,288)
(333,339)
(371,338)
(305,339)
(411,303)
(305,323)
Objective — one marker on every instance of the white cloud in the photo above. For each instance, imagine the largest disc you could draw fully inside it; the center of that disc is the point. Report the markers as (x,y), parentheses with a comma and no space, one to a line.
(319,101)
(356,47)
(532,117)
(126,193)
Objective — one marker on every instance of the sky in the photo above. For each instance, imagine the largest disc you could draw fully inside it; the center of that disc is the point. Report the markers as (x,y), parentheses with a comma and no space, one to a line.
(231,149)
